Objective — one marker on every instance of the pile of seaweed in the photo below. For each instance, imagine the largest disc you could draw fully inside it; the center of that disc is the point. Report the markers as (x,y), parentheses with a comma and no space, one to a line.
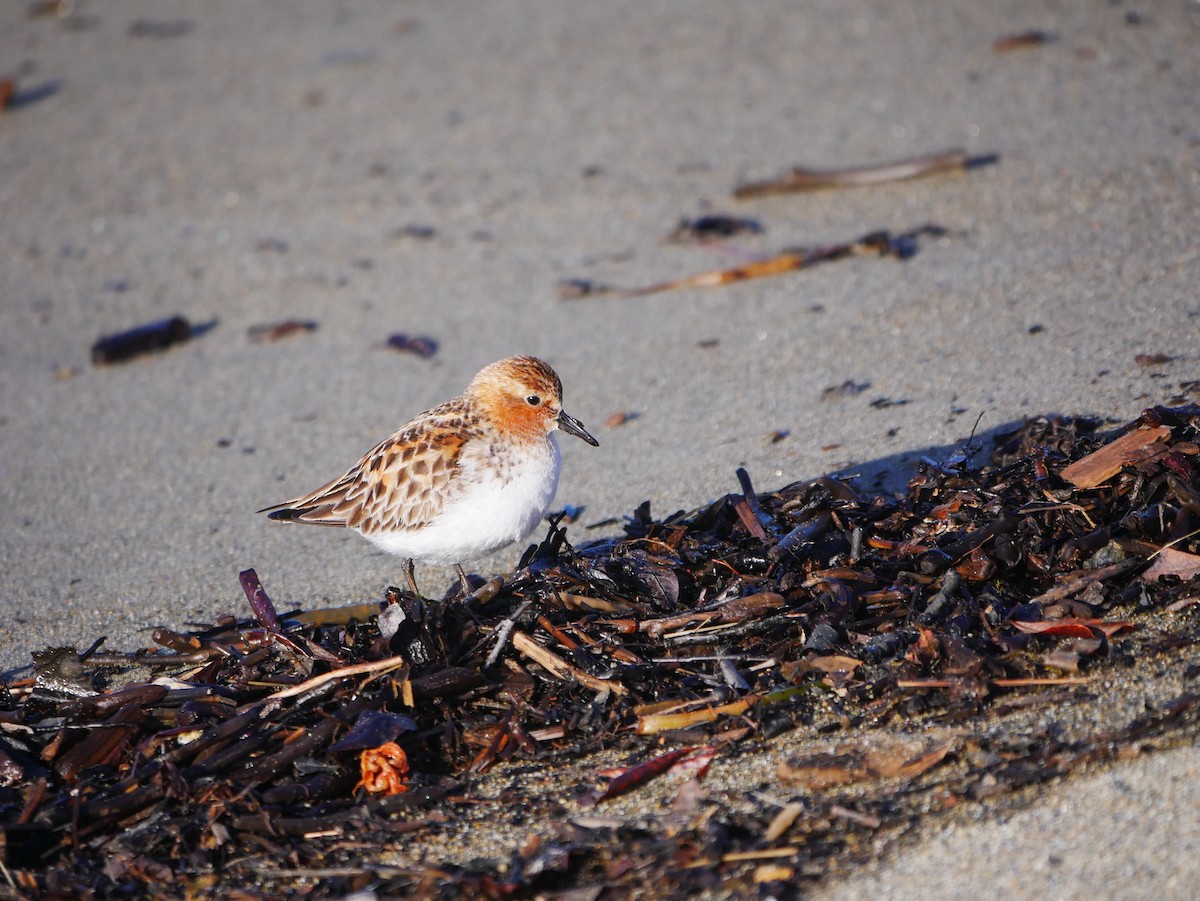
(283,751)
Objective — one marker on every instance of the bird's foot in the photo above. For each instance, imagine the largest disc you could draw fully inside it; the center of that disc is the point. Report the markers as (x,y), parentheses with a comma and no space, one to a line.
(411,580)
(463,581)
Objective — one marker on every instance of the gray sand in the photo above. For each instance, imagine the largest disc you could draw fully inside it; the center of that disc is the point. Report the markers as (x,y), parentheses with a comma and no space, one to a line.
(259,162)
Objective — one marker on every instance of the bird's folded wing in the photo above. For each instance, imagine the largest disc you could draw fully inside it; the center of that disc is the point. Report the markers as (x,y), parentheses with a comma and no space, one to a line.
(402,483)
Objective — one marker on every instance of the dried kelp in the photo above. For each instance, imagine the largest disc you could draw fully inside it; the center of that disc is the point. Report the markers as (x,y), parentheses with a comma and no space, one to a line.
(269,752)
(275,331)
(899,246)
(804,179)
(144,339)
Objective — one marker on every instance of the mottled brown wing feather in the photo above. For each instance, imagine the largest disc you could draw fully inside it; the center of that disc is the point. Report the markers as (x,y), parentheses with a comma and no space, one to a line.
(401,483)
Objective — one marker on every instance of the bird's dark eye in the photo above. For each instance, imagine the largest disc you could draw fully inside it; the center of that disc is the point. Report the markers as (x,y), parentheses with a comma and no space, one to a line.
(533,400)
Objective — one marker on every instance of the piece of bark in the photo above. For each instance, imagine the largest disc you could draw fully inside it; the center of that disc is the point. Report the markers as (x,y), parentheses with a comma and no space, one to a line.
(1098,467)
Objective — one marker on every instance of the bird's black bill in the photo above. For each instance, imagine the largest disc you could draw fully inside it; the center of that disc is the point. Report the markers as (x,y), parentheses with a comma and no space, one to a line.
(573,426)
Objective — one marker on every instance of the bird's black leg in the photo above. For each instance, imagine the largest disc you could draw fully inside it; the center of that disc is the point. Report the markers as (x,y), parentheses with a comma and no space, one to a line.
(463,581)
(410,578)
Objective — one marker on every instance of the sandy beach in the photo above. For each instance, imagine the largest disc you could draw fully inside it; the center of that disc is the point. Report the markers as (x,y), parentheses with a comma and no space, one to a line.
(438,170)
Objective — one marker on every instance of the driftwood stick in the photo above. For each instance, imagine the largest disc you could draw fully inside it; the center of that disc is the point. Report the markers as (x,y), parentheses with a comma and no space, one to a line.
(803,179)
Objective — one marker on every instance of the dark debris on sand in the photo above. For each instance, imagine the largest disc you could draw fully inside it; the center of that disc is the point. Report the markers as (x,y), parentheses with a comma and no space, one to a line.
(314,753)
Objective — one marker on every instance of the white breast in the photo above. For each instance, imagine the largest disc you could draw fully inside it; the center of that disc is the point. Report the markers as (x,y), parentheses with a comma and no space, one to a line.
(503,497)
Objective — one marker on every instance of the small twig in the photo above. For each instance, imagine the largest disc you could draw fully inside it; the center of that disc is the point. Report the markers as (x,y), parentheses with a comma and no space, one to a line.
(1171,544)
(558,667)
(744,856)
(37,791)
(802,534)
(802,179)
(95,646)
(998,683)
(862,819)
(654,723)
(1065,590)
(765,523)
(942,603)
(503,631)
(137,659)
(707,635)
(735,610)
(776,265)
(376,667)
(783,821)
(263,769)
(901,246)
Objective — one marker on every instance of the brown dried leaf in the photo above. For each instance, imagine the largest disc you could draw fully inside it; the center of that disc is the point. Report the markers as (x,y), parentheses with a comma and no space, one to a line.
(926,648)
(977,566)
(823,770)
(1152,359)
(903,761)
(622,779)
(1056,628)
(1171,562)
(833,665)
(1076,627)
(914,765)
(1065,659)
